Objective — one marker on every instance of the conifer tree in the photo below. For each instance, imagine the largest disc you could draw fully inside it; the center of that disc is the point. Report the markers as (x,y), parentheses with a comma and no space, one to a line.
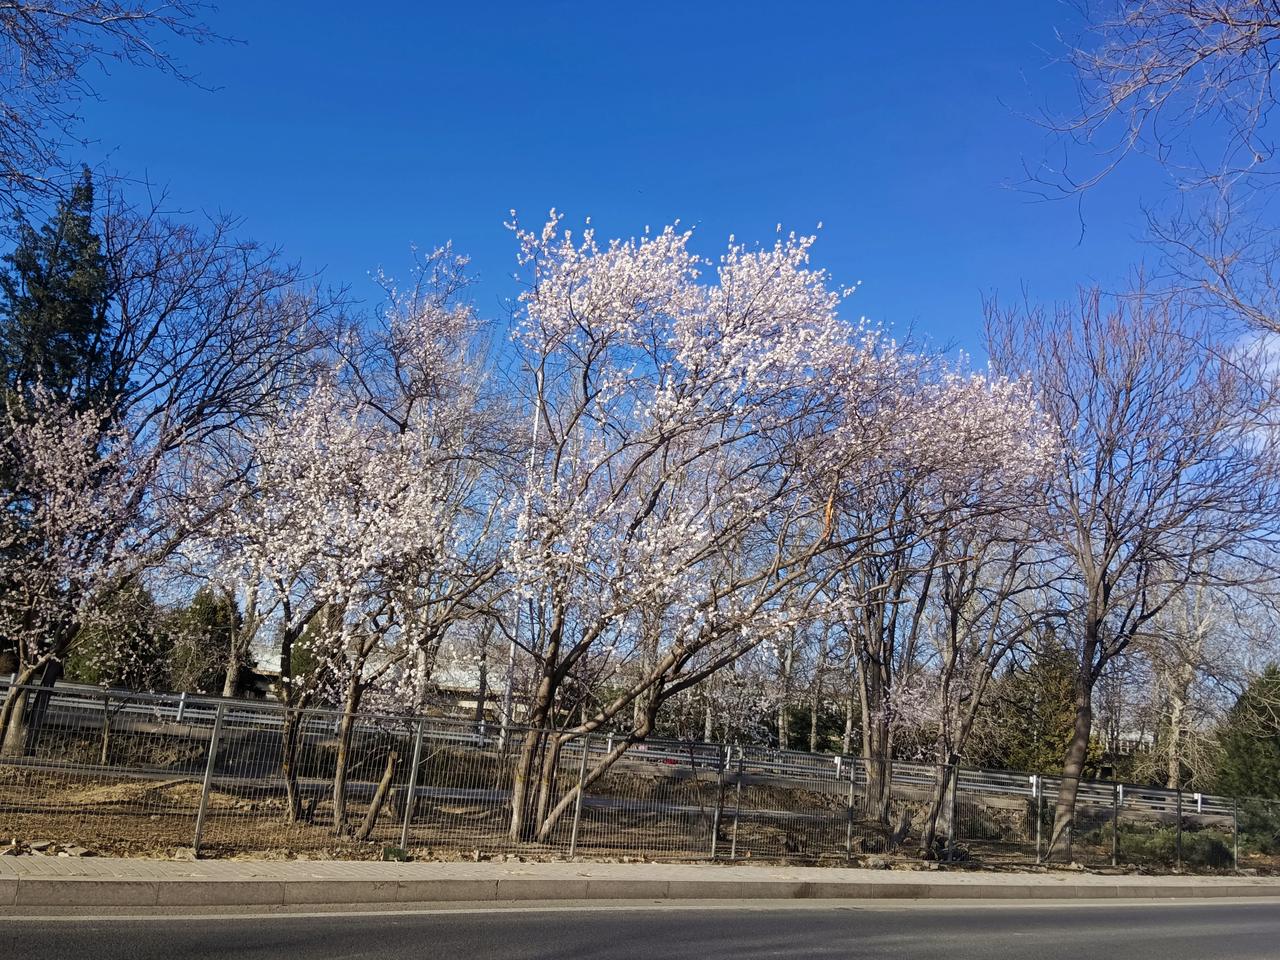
(54,295)
(1250,763)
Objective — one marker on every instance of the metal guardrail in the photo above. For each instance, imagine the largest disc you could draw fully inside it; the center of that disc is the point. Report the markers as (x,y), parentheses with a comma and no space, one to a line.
(200,711)
(659,797)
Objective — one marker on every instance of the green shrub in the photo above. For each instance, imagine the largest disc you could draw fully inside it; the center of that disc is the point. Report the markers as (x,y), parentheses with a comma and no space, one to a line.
(1159,845)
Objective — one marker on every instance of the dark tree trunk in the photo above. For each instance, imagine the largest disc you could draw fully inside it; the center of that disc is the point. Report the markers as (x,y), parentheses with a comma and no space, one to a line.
(1073,766)
(342,762)
(379,796)
(289,737)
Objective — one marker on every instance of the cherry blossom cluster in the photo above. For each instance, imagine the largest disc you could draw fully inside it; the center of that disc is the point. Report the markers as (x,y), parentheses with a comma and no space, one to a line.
(694,422)
(66,527)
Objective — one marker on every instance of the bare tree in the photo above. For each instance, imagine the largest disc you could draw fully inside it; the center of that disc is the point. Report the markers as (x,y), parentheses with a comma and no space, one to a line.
(1188,85)
(207,333)
(1201,651)
(882,584)
(989,595)
(1153,74)
(49,53)
(895,531)
(1166,471)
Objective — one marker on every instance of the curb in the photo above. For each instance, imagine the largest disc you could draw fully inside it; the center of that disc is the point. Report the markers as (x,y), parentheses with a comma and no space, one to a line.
(50,895)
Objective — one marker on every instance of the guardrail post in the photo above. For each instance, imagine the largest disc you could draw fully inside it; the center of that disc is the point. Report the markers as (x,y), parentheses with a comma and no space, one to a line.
(411,794)
(208,779)
(1115,824)
(182,706)
(1179,842)
(577,802)
(721,751)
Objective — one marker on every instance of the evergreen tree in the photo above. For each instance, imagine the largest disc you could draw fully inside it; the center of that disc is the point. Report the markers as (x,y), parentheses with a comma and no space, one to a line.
(1250,738)
(124,645)
(1031,724)
(54,323)
(202,633)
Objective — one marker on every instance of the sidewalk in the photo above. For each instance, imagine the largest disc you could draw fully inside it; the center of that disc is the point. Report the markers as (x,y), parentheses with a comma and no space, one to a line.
(54,885)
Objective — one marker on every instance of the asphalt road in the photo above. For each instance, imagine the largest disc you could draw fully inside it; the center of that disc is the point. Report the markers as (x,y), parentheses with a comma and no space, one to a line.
(1163,931)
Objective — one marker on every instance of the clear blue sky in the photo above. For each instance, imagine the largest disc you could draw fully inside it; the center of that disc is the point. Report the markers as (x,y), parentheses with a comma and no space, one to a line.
(345,133)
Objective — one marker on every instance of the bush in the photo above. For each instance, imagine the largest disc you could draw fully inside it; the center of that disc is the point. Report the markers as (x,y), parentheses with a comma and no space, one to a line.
(1200,848)
(1259,826)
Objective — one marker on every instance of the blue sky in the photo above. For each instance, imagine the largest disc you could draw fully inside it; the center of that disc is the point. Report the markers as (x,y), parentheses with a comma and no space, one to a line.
(346,138)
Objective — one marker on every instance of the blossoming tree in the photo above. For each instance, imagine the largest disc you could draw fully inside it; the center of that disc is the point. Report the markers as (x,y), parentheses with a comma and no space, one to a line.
(696,438)
(365,524)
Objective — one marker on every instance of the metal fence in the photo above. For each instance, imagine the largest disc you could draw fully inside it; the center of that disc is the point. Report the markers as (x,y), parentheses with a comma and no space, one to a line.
(127,772)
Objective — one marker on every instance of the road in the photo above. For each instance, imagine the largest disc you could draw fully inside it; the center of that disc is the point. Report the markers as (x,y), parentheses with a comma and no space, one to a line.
(975,931)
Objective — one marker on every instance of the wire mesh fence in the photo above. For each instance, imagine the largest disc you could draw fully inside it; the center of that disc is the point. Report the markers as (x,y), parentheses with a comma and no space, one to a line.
(124,772)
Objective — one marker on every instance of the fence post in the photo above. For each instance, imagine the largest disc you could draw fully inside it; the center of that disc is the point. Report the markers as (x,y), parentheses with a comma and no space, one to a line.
(715,819)
(1179,866)
(1235,837)
(954,777)
(1115,824)
(848,817)
(208,779)
(1037,792)
(104,754)
(411,793)
(577,803)
(737,805)
(182,706)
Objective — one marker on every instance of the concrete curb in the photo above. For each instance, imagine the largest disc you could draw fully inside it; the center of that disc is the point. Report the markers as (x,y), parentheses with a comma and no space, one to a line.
(55,895)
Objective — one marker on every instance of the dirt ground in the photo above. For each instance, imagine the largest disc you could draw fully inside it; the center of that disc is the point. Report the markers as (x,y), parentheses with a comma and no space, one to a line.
(157,818)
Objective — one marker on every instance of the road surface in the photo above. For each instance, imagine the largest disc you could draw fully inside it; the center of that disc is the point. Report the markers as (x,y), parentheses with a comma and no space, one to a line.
(685,931)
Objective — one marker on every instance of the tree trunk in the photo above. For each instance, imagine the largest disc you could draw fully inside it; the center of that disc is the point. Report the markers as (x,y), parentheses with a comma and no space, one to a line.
(12,722)
(943,748)
(846,742)
(1064,813)
(784,701)
(289,733)
(1183,674)
(39,704)
(379,796)
(482,694)
(231,681)
(547,784)
(13,712)
(540,708)
(876,753)
(813,716)
(638,733)
(104,754)
(876,744)
(342,762)
(521,778)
